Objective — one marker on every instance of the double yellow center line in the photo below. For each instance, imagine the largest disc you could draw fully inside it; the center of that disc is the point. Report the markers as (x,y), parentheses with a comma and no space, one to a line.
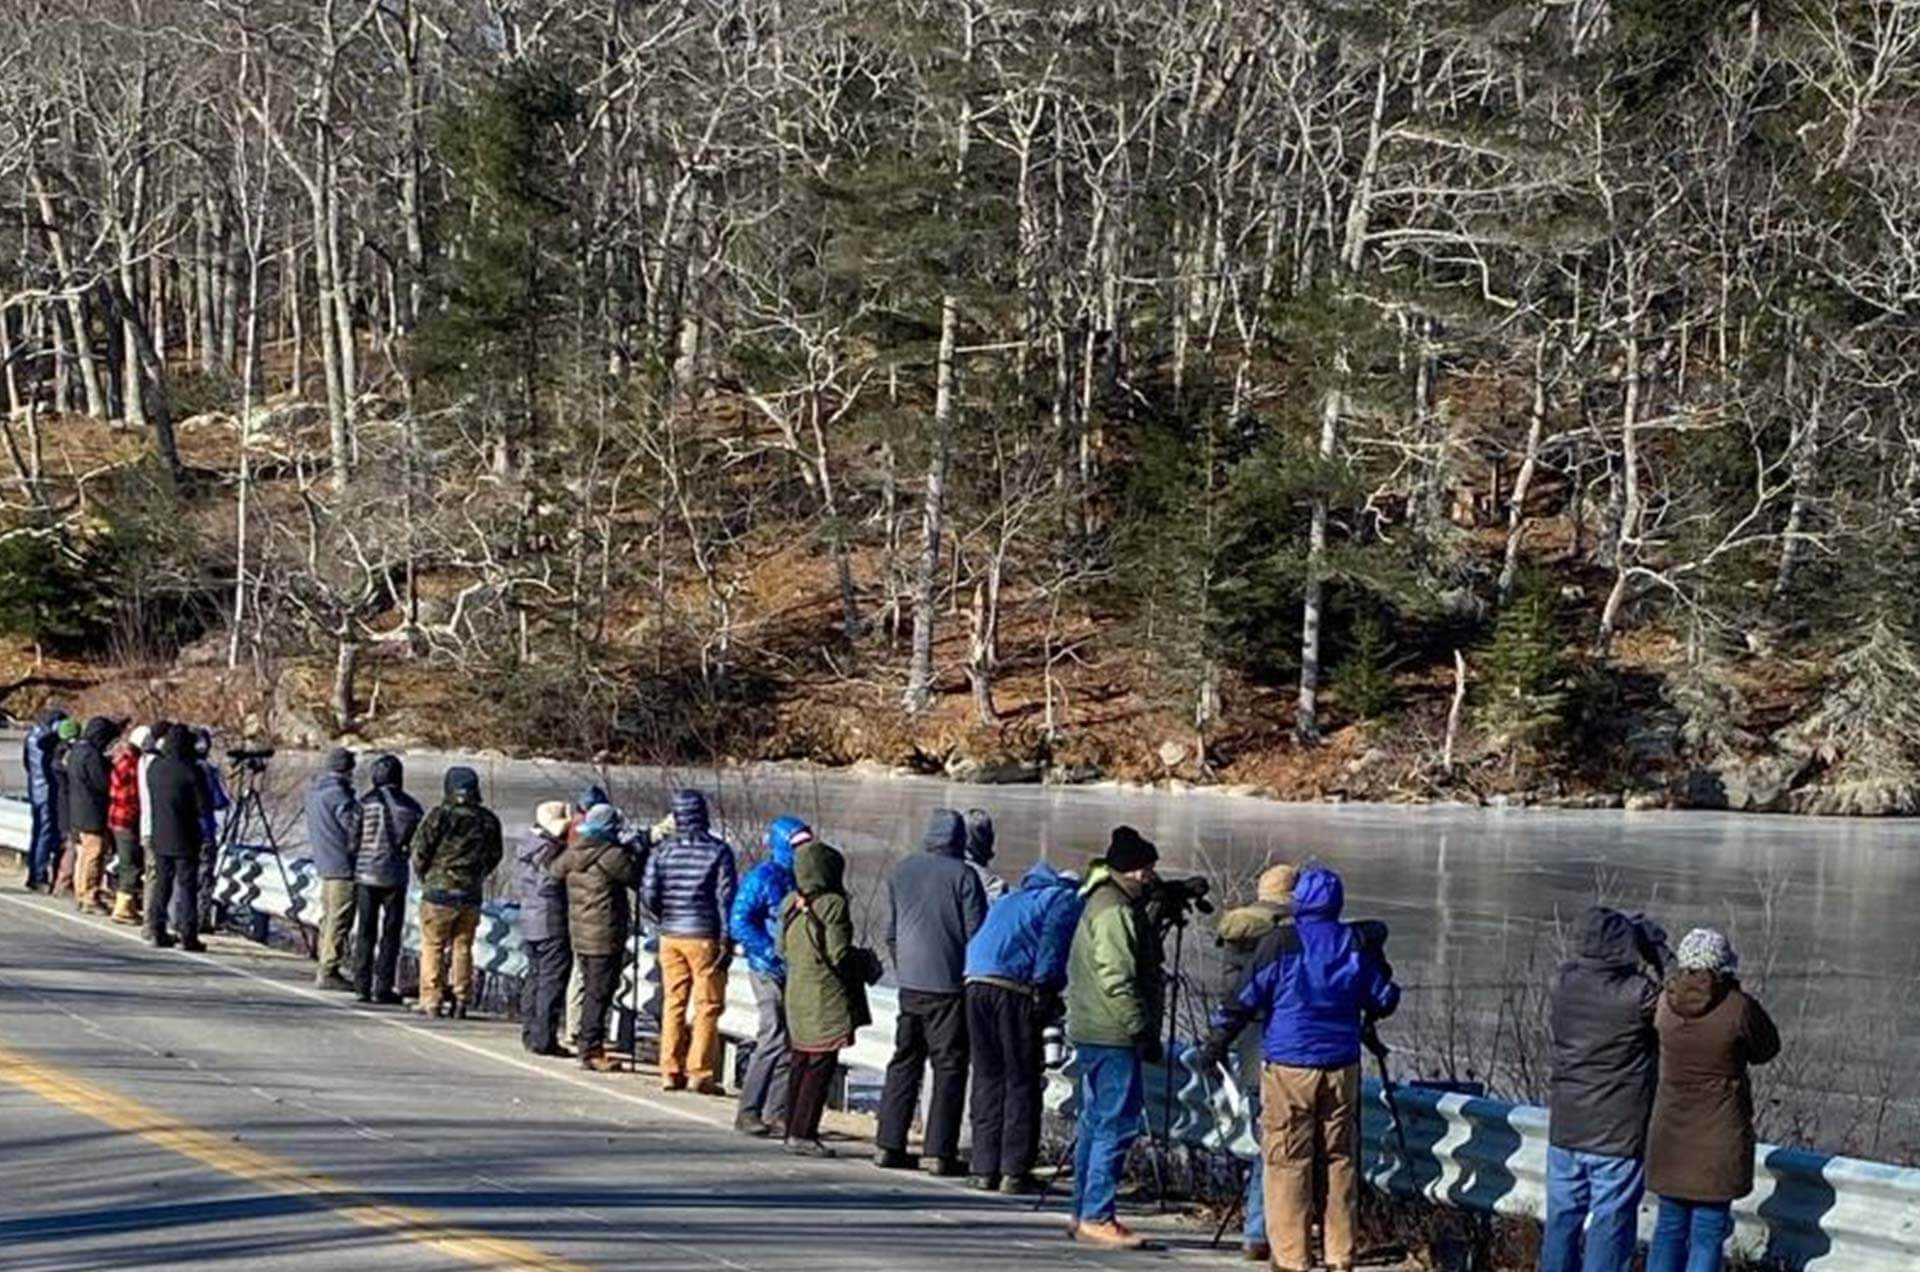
(274,1174)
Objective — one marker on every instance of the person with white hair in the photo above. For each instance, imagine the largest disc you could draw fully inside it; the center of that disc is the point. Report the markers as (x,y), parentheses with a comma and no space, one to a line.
(1700,1146)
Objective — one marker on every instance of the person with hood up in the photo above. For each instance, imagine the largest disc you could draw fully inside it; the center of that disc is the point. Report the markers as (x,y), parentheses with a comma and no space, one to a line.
(37,751)
(980,853)
(689,884)
(454,850)
(88,790)
(175,798)
(543,931)
(597,870)
(1015,971)
(216,803)
(1239,934)
(1318,984)
(123,821)
(1115,996)
(37,757)
(389,817)
(755,927)
(826,990)
(935,903)
(65,734)
(333,837)
(1605,1057)
(1700,1147)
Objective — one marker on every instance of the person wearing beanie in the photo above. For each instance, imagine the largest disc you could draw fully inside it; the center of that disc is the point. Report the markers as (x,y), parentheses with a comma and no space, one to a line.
(37,754)
(547,981)
(597,869)
(755,926)
(389,818)
(1318,983)
(1115,996)
(456,847)
(175,799)
(1700,1146)
(689,886)
(1239,934)
(980,853)
(333,838)
(1605,1053)
(88,783)
(123,822)
(935,903)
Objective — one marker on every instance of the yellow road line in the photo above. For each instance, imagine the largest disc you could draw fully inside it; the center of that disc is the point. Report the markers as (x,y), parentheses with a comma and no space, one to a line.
(272,1173)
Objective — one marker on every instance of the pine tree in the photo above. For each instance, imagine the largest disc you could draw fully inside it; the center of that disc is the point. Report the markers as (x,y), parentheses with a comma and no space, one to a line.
(1364,678)
(1524,710)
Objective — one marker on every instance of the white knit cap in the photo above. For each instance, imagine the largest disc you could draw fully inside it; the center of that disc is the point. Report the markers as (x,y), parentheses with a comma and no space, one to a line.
(1707,950)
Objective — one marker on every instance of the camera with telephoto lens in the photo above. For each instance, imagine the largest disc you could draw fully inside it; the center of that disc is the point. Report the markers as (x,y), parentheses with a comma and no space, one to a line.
(1173,902)
(252,759)
(1053,1045)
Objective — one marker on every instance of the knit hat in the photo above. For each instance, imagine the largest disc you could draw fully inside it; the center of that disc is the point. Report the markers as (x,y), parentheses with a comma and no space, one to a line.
(1707,950)
(340,760)
(1128,851)
(979,836)
(589,796)
(140,737)
(1276,884)
(552,817)
(599,824)
(68,729)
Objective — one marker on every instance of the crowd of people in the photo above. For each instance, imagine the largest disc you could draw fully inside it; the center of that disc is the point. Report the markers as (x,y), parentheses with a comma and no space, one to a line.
(1650,1047)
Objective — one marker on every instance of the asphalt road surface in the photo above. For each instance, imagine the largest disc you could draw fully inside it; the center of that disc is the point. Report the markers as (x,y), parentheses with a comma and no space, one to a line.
(167,1110)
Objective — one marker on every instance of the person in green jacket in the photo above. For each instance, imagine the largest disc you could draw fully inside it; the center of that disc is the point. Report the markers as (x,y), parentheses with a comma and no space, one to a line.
(1114,1001)
(454,851)
(826,998)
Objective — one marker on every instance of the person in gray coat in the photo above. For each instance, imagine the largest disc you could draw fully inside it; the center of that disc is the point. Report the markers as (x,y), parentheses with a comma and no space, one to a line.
(543,931)
(388,818)
(935,903)
(333,838)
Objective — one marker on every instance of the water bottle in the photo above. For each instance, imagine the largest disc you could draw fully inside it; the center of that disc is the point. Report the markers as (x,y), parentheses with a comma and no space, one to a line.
(1053,1045)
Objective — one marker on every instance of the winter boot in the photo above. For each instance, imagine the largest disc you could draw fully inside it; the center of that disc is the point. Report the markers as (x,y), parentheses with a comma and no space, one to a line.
(126,909)
(1108,1234)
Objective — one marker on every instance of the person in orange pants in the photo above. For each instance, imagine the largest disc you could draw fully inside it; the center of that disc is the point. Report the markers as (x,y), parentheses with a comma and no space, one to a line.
(689,885)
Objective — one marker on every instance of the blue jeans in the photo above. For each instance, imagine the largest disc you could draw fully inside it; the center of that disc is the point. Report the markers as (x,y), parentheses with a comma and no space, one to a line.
(1256,1207)
(1607,1188)
(1689,1236)
(1112,1100)
(43,848)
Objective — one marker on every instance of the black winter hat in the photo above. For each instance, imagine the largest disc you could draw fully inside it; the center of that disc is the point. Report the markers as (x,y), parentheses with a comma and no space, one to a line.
(1130,851)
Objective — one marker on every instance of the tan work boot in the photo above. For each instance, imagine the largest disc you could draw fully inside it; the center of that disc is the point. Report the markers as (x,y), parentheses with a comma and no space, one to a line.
(1108,1234)
(125,909)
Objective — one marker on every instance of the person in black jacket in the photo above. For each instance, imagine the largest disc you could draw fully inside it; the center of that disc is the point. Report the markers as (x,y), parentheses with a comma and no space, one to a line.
(87,788)
(1605,1066)
(388,818)
(935,903)
(179,798)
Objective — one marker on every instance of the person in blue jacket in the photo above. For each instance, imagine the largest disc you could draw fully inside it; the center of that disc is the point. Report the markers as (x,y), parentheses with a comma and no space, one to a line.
(1016,968)
(754,925)
(1318,984)
(37,755)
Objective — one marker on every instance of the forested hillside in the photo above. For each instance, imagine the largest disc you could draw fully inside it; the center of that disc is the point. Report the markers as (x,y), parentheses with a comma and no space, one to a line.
(1411,399)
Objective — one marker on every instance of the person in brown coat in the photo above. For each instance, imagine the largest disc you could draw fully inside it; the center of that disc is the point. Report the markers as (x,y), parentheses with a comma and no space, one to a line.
(1700,1148)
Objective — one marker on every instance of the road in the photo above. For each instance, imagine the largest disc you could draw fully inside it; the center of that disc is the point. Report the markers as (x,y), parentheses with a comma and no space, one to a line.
(167,1110)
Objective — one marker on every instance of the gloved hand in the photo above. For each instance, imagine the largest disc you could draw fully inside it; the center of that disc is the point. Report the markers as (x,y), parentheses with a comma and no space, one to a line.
(1149,1049)
(663,830)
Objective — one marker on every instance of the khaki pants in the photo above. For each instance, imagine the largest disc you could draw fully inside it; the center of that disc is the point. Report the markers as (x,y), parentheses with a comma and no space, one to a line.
(336,925)
(89,867)
(691,969)
(444,929)
(1310,1117)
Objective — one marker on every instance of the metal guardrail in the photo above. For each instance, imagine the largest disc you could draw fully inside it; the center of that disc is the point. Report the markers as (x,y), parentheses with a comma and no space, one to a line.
(1807,1210)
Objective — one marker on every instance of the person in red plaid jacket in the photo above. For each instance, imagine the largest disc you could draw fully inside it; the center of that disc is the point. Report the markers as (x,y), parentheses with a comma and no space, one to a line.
(123,821)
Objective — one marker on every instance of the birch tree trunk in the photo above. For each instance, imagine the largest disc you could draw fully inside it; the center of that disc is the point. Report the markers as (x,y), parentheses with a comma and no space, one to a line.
(919,694)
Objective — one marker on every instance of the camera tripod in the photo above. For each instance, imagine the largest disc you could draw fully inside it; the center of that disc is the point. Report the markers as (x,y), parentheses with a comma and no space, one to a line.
(247,811)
